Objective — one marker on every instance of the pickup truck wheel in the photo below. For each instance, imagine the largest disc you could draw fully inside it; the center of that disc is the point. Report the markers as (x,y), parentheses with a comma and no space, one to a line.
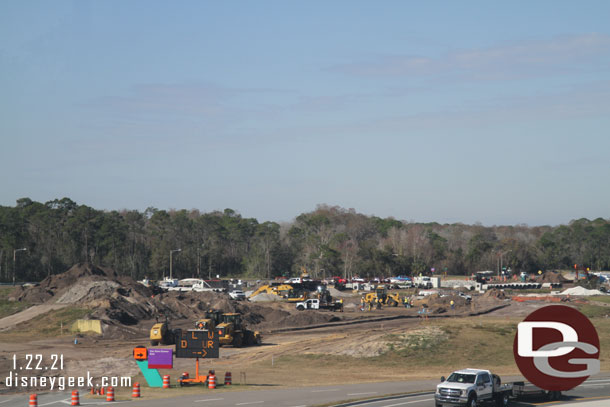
(300,307)
(472,401)
(503,400)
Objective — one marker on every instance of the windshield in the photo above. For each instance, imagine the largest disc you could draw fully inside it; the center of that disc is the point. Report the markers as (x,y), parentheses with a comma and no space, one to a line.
(461,378)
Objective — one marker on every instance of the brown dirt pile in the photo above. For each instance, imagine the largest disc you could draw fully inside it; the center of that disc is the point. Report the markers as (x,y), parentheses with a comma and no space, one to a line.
(122,304)
(551,277)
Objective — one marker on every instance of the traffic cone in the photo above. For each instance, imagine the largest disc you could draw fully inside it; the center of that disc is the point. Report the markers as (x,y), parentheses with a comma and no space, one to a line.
(110,393)
(92,391)
(75,398)
(33,400)
(228,380)
(136,390)
(212,381)
(101,391)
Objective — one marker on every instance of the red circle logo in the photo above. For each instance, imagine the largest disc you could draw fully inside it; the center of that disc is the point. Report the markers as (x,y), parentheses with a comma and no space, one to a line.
(556,348)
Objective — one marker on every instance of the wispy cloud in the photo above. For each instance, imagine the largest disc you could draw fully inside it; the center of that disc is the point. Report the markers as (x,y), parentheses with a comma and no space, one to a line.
(517,60)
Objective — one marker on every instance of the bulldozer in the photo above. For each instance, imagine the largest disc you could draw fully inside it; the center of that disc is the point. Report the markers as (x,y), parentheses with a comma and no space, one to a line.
(162,334)
(381,296)
(231,331)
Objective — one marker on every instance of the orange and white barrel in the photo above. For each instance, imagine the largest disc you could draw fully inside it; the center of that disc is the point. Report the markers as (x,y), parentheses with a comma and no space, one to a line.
(110,393)
(166,381)
(75,398)
(136,390)
(33,400)
(212,381)
(228,380)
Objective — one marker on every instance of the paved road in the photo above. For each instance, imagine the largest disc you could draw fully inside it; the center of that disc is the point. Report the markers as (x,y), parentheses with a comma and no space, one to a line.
(594,392)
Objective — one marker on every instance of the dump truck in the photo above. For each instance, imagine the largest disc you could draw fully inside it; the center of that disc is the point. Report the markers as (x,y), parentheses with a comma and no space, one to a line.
(381,296)
(231,331)
(162,334)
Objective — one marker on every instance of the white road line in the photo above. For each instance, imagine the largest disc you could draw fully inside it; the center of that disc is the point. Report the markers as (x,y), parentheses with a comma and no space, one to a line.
(407,402)
(54,402)
(386,400)
(598,380)
(361,394)
(200,401)
(249,402)
(320,391)
(6,401)
(594,385)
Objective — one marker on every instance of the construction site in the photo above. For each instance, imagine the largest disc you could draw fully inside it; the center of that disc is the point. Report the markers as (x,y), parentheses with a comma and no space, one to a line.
(281,335)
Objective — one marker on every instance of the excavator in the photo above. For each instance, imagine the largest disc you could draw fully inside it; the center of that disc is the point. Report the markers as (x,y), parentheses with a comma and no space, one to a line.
(282,290)
(381,296)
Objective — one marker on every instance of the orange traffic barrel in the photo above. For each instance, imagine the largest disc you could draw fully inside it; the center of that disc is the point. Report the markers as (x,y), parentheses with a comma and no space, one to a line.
(166,381)
(136,390)
(110,393)
(33,400)
(212,381)
(228,380)
(75,398)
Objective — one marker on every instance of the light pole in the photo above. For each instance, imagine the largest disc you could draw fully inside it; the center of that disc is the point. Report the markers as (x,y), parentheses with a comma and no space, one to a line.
(15,260)
(171,252)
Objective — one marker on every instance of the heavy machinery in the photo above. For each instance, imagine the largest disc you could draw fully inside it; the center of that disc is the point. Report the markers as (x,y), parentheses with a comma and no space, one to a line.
(381,296)
(162,334)
(282,290)
(212,318)
(231,331)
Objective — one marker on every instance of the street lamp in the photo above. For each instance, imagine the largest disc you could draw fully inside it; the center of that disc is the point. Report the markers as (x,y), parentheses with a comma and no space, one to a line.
(171,252)
(15,261)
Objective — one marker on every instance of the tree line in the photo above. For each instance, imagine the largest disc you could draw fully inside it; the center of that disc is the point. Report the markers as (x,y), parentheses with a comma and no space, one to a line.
(329,241)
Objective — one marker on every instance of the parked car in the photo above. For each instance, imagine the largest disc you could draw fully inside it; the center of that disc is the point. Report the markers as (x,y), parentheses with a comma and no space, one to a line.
(237,295)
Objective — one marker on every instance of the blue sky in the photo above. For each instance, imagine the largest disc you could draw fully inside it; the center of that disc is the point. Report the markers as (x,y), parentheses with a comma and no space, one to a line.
(468,112)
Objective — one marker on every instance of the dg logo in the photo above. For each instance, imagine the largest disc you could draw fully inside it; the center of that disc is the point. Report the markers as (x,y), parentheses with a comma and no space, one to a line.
(556,348)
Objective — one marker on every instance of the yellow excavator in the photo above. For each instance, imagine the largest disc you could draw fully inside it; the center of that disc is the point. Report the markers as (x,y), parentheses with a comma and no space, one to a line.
(231,331)
(282,290)
(381,296)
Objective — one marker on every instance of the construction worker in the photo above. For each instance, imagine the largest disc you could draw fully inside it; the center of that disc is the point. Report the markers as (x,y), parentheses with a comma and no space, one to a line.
(452,304)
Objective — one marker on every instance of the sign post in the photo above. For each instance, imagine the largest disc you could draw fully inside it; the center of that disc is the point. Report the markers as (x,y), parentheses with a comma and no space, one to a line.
(198,344)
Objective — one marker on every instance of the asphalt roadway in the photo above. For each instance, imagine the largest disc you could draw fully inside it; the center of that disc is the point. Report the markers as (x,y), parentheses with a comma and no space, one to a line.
(594,392)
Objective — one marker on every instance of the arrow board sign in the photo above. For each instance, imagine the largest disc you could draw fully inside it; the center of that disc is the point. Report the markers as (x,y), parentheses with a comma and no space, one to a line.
(197,344)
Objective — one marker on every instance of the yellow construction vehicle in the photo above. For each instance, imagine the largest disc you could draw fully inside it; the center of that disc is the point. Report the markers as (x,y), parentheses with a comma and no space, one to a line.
(162,334)
(231,331)
(282,290)
(382,297)
(212,318)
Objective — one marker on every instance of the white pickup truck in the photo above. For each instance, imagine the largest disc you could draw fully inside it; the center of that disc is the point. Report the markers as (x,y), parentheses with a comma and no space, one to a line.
(314,303)
(475,387)
(471,388)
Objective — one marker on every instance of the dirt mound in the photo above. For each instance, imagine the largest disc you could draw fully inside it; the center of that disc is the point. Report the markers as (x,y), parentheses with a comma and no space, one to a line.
(126,307)
(495,293)
(551,277)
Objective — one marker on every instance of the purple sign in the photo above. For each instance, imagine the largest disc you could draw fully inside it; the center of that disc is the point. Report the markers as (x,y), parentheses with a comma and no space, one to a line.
(160,358)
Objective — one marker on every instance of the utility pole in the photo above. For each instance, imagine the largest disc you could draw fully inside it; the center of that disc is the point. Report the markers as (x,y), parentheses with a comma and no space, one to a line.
(171,252)
(15,261)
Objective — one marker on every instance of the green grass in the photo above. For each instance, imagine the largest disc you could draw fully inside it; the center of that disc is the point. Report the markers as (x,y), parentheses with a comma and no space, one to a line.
(601,298)
(10,307)
(594,311)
